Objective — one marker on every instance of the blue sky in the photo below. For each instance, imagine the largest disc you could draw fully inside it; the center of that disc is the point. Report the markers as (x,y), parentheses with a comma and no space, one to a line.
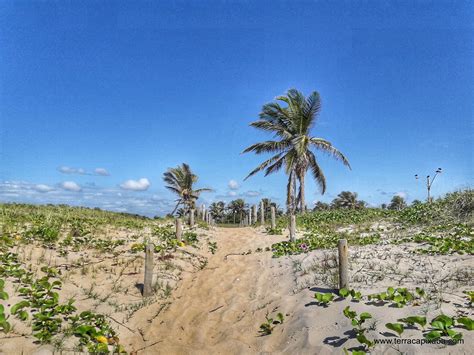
(132,88)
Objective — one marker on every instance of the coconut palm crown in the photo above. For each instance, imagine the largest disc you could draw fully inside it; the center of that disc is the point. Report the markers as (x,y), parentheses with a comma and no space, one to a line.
(293,143)
(180,180)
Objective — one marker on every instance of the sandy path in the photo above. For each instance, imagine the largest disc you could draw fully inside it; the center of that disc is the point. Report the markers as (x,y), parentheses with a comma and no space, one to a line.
(215,309)
(218,310)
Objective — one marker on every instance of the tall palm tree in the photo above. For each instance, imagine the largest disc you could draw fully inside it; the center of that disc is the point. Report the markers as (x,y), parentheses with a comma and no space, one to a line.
(292,125)
(180,180)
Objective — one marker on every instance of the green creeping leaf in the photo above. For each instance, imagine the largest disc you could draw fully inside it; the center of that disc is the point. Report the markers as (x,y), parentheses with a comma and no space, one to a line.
(414,319)
(396,327)
(420,292)
(280,318)
(390,291)
(23,315)
(447,321)
(465,321)
(2,284)
(324,298)
(438,325)
(363,340)
(409,297)
(319,297)
(19,306)
(266,329)
(358,352)
(470,296)
(328,297)
(399,300)
(433,335)
(356,295)
(5,326)
(349,313)
(3,295)
(344,292)
(454,335)
(363,316)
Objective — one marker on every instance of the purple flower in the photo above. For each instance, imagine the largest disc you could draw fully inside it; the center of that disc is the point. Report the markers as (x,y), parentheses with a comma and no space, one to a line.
(304,247)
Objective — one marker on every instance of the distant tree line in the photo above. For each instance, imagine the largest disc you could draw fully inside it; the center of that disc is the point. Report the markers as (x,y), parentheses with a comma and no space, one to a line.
(349,200)
(235,211)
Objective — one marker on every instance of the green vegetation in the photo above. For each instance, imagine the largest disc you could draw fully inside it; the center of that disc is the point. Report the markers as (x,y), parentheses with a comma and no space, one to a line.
(444,239)
(68,242)
(447,227)
(267,327)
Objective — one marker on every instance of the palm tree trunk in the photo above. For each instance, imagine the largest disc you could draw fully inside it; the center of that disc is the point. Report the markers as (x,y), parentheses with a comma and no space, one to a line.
(302,199)
(291,194)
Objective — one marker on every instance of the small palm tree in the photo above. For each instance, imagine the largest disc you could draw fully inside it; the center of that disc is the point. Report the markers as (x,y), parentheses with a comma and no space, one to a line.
(237,208)
(217,210)
(320,206)
(347,199)
(292,125)
(398,203)
(181,181)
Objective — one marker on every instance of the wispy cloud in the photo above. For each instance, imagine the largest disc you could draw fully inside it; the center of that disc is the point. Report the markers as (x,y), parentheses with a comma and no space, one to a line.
(71,171)
(81,171)
(233,185)
(71,186)
(101,172)
(43,188)
(136,185)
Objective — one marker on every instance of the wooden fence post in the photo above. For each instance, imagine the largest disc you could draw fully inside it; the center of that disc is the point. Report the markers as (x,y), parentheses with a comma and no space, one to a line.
(292,228)
(255,214)
(147,283)
(262,213)
(273,217)
(191,217)
(203,212)
(179,229)
(343,263)
(250,216)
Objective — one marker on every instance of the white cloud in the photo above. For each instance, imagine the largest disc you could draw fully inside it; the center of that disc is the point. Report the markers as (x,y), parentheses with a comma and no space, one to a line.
(232,193)
(233,185)
(101,171)
(253,193)
(71,186)
(43,188)
(136,185)
(69,170)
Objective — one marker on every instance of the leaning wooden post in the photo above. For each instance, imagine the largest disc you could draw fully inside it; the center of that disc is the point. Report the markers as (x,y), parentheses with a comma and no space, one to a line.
(262,213)
(250,216)
(273,217)
(292,227)
(191,217)
(255,214)
(147,284)
(343,263)
(179,229)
